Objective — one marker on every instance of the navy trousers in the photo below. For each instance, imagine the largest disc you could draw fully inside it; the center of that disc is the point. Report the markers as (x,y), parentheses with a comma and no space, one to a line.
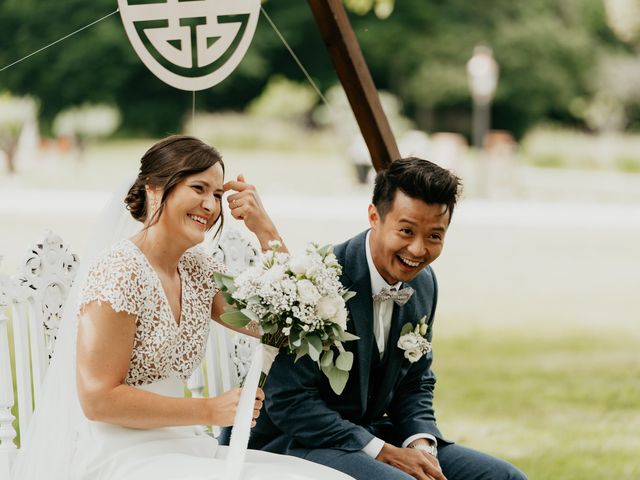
(457,463)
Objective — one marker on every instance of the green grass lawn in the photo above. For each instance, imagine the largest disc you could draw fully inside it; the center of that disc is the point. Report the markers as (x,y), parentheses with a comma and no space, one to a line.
(559,408)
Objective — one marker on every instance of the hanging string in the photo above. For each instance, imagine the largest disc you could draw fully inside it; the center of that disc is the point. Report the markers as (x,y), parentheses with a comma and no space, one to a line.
(60,39)
(295,57)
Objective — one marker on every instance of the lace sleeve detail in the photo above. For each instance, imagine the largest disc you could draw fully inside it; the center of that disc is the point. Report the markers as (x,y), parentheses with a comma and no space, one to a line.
(116,277)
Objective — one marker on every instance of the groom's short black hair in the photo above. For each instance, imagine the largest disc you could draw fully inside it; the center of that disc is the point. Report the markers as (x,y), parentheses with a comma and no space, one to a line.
(419,179)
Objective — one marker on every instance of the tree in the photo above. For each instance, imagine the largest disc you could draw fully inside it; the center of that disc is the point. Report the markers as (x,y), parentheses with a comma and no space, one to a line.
(417,50)
(15,113)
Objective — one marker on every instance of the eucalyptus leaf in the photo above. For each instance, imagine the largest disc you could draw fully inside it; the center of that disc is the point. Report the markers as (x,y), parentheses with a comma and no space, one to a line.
(326,359)
(337,331)
(227,297)
(348,295)
(301,352)
(235,319)
(406,328)
(337,379)
(294,338)
(344,361)
(252,315)
(269,328)
(225,281)
(347,337)
(315,347)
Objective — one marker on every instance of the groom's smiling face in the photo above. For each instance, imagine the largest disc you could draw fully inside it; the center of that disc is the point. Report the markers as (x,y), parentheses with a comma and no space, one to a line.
(406,238)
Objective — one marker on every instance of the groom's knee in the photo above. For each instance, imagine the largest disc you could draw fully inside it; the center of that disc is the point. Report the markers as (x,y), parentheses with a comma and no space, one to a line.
(460,463)
(357,464)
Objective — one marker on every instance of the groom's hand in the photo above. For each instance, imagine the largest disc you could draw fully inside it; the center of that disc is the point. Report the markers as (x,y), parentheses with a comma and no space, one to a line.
(257,406)
(420,465)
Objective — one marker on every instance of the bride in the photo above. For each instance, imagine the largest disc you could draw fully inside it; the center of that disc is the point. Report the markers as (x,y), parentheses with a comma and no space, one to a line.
(137,331)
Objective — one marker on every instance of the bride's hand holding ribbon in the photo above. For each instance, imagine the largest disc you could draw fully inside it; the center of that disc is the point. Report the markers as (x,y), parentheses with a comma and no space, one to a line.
(225,406)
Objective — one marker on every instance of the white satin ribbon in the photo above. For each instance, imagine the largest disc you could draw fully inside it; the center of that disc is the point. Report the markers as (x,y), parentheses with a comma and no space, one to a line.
(269,354)
(244,415)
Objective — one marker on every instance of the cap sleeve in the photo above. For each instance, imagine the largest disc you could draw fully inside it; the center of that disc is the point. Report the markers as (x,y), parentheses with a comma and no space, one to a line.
(116,277)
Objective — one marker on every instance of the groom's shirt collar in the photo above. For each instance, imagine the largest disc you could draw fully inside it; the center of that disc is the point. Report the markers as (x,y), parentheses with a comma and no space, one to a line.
(377,282)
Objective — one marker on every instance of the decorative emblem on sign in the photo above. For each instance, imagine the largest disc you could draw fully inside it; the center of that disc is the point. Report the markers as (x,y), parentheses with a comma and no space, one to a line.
(190,44)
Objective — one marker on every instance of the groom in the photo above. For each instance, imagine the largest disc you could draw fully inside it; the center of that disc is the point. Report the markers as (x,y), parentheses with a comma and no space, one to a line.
(383,425)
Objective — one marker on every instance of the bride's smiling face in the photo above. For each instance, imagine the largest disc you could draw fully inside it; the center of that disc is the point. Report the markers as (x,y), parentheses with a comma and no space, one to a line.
(194,205)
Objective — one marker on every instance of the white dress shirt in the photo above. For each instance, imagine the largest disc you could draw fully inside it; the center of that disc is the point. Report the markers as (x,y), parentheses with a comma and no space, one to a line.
(382,315)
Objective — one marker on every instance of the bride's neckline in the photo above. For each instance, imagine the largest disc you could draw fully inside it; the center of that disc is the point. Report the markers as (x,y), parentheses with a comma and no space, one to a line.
(177,321)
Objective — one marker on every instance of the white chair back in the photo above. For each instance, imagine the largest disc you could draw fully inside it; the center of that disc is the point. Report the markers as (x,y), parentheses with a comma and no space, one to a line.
(34,301)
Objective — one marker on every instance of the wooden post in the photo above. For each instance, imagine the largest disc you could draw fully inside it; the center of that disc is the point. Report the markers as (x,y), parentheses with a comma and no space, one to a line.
(356,80)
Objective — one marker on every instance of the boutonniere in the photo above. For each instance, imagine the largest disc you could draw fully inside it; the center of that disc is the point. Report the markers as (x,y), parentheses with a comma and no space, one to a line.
(413,340)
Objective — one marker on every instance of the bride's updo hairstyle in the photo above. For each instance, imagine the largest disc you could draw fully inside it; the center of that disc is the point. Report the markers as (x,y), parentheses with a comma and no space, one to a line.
(166,164)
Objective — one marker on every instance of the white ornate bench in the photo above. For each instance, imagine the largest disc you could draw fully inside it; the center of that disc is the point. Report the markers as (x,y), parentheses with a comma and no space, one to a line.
(31,305)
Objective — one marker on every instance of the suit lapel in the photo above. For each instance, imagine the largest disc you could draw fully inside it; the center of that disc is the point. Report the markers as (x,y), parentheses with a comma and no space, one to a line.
(356,270)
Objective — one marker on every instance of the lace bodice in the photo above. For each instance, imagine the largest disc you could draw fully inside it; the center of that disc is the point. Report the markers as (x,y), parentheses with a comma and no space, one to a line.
(123,277)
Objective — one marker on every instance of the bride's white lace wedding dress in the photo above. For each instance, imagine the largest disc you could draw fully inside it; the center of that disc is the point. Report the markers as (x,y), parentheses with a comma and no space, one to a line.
(165,353)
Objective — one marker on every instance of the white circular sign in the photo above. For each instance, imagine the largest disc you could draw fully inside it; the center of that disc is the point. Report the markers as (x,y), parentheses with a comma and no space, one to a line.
(190,44)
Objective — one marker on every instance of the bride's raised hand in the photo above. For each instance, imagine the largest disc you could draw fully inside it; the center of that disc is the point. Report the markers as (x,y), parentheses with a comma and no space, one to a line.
(245,205)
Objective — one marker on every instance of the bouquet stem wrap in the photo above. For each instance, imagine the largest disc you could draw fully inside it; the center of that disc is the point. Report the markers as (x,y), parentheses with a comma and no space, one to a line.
(269,354)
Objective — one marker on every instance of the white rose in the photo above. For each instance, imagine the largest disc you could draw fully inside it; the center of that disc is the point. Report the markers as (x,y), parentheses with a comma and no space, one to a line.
(272,275)
(341,318)
(328,307)
(307,292)
(413,355)
(425,345)
(409,341)
(300,265)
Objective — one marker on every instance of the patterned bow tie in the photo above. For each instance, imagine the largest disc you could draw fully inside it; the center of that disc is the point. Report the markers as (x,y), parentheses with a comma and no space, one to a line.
(401,296)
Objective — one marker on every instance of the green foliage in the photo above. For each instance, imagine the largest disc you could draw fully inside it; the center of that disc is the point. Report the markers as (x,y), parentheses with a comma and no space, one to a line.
(337,378)
(550,147)
(283,98)
(235,318)
(344,361)
(547,52)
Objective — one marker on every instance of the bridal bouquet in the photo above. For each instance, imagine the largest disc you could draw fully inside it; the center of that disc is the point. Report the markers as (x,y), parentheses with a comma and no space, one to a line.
(299,304)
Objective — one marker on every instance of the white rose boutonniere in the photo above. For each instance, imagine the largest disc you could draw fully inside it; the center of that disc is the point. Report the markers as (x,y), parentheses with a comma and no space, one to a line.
(413,340)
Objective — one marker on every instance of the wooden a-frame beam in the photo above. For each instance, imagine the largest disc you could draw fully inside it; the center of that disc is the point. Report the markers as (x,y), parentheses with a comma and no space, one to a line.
(352,70)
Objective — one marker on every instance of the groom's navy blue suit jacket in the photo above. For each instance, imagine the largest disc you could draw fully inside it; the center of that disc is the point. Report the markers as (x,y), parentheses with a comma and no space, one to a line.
(301,411)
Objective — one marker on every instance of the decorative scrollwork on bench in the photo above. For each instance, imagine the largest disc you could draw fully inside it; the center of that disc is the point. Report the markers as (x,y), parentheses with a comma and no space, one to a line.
(235,251)
(47,276)
(238,253)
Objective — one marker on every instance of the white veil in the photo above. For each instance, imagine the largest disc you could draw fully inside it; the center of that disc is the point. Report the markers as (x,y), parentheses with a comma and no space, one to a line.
(49,443)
